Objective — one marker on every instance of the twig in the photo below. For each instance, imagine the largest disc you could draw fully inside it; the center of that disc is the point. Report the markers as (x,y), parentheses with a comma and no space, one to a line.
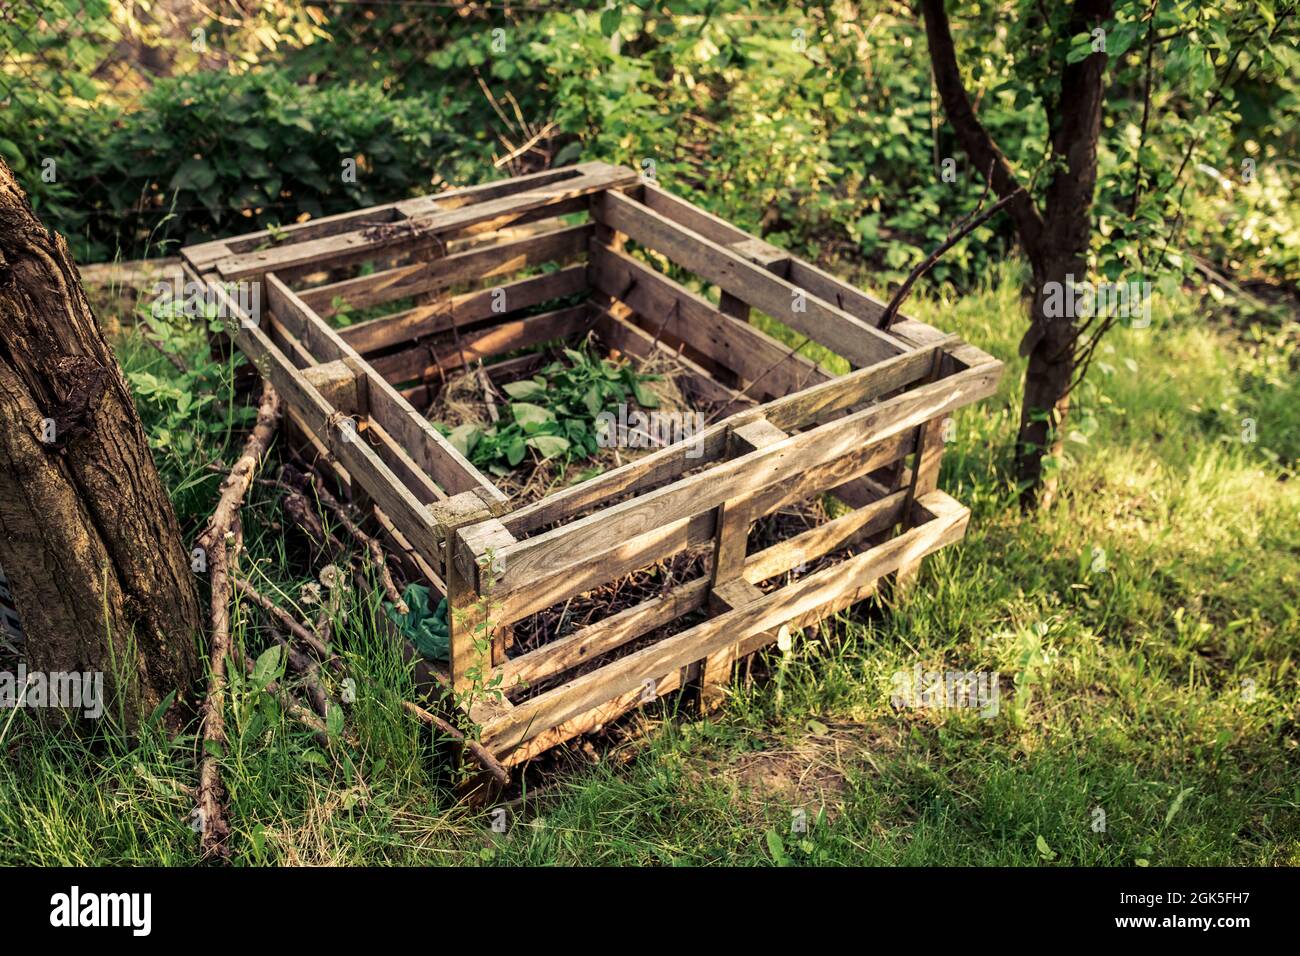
(484,756)
(282,617)
(486,384)
(224,532)
(294,709)
(957,235)
(377,555)
(794,350)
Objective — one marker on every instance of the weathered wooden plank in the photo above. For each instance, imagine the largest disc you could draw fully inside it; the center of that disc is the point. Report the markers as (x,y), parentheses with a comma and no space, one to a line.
(484,343)
(666,464)
(203,255)
(837,533)
(465,310)
(706,489)
(434,275)
(443,463)
(337,250)
(827,324)
(749,352)
(609,559)
(817,594)
(589,643)
(331,427)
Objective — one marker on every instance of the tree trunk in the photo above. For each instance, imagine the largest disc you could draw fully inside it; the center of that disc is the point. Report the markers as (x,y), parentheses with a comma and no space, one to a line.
(88,537)
(1049,346)
(1055,240)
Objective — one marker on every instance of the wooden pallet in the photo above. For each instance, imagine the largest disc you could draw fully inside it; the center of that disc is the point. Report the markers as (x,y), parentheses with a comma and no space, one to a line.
(871,438)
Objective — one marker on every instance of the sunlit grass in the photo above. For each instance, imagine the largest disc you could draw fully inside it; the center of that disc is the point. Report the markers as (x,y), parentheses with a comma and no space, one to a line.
(1145,630)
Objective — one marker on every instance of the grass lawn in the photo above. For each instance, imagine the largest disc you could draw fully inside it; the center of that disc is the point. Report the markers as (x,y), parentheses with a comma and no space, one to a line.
(1145,628)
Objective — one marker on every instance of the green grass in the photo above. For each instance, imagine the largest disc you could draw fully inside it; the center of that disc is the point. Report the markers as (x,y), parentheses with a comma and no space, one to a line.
(1156,685)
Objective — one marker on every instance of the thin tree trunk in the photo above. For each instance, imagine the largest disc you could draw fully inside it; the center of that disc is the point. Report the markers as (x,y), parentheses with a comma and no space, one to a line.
(88,536)
(1049,347)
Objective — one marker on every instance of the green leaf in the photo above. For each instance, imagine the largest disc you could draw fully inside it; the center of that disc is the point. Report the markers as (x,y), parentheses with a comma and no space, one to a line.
(644,397)
(524,390)
(515,451)
(1177,804)
(776,848)
(194,174)
(464,437)
(164,705)
(549,445)
(267,666)
(610,18)
(527,414)
(334,721)
(1044,850)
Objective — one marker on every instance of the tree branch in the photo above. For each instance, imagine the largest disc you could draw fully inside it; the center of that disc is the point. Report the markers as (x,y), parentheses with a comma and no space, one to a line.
(220,541)
(972,135)
(958,233)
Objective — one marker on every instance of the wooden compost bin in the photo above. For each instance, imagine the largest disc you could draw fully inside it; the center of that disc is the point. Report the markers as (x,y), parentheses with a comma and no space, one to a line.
(553,250)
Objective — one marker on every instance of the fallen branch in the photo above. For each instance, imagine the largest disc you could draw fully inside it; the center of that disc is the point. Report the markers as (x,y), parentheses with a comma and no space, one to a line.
(283,618)
(220,541)
(377,554)
(294,709)
(484,756)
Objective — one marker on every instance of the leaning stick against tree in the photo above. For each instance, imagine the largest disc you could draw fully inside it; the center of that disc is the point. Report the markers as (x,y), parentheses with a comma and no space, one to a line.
(221,541)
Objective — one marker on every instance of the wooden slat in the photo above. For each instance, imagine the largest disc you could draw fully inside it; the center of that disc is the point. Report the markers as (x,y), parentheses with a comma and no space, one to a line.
(838,533)
(431,451)
(740,347)
(610,559)
(463,311)
(589,643)
(203,255)
(479,217)
(571,543)
(479,264)
(792,412)
(839,331)
(361,462)
(484,343)
(816,595)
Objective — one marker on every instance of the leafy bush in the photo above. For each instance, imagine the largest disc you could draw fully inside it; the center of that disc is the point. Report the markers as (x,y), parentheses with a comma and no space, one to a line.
(212,155)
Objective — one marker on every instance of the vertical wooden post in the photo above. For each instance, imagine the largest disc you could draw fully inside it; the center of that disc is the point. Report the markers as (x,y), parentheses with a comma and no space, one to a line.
(343,383)
(470,651)
(923,477)
(770,258)
(729,589)
(478,556)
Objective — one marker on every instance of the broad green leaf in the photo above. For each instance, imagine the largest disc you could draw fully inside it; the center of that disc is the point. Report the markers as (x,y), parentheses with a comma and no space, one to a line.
(524,390)
(549,445)
(267,666)
(464,437)
(527,414)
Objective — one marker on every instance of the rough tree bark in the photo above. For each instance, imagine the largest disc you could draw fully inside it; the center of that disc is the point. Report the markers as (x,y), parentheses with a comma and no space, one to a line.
(88,536)
(1055,240)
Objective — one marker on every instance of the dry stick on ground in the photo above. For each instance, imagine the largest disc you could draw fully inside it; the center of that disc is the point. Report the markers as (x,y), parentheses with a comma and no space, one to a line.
(284,619)
(377,555)
(794,349)
(220,541)
(292,708)
(490,763)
